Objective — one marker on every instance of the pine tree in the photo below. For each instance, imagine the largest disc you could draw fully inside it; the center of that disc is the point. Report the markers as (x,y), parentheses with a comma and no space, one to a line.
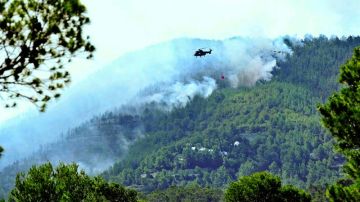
(341,115)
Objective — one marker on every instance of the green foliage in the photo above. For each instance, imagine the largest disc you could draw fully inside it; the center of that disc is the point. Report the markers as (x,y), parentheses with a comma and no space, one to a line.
(65,183)
(232,133)
(290,193)
(263,186)
(96,139)
(315,64)
(341,115)
(186,194)
(37,39)
(275,123)
(349,191)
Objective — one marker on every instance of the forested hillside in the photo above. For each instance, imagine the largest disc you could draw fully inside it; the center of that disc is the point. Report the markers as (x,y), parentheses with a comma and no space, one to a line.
(272,126)
(94,146)
(315,64)
(233,133)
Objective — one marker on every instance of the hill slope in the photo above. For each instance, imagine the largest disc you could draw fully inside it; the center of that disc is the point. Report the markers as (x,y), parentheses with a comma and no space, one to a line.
(236,131)
(273,126)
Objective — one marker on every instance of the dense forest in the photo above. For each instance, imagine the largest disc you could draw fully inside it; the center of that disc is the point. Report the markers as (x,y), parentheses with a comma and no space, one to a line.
(271,126)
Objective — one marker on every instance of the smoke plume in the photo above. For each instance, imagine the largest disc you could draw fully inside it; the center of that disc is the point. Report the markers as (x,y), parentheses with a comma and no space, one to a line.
(166,74)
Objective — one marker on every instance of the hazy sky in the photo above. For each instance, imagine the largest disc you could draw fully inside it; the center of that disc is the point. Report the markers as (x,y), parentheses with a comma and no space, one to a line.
(120,26)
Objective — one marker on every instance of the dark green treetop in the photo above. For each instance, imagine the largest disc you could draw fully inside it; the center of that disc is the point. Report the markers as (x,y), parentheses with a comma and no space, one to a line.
(341,115)
(66,183)
(263,186)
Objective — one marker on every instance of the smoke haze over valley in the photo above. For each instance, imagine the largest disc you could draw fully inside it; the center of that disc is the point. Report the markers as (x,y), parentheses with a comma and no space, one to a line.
(164,97)
(166,74)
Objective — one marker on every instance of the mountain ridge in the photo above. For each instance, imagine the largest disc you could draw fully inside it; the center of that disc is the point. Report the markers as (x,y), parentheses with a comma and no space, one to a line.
(293,113)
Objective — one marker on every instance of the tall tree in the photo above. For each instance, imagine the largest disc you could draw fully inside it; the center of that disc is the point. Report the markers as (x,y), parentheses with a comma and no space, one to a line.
(341,115)
(263,186)
(37,37)
(66,183)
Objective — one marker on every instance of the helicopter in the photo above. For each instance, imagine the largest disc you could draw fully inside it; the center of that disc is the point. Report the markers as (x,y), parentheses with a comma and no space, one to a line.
(200,52)
(281,52)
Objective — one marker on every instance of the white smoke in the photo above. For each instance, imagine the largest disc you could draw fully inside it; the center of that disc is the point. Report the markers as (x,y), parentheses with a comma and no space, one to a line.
(167,74)
(179,93)
(254,71)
